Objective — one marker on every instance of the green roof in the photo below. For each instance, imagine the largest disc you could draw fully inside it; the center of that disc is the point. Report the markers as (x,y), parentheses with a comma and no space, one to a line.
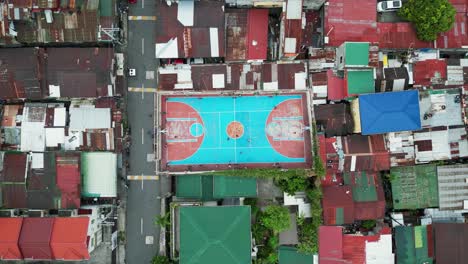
(290,255)
(339,216)
(213,235)
(356,53)
(106,8)
(414,187)
(360,81)
(208,187)
(364,189)
(411,245)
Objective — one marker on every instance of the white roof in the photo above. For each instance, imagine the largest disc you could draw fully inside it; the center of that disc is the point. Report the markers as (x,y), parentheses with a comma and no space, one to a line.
(37,160)
(54,136)
(290,45)
(218,81)
(167,50)
(60,116)
(185,11)
(32,136)
(99,170)
(89,118)
(380,252)
(294,9)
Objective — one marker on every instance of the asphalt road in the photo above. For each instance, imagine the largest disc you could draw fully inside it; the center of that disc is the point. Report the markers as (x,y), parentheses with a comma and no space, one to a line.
(142,203)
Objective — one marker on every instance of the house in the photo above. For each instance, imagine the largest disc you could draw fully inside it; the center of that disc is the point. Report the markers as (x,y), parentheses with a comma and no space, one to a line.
(414,244)
(414,187)
(363,153)
(68,240)
(99,175)
(430,72)
(291,255)
(10,228)
(291,30)
(35,238)
(222,234)
(186,31)
(212,187)
(246,34)
(440,108)
(450,241)
(450,178)
(334,119)
(336,247)
(394,79)
(338,205)
(380,114)
(351,55)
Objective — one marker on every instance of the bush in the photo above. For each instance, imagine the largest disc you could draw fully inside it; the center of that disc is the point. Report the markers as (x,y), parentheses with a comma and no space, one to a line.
(265,173)
(275,218)
(429,17)
(368,224)
(293,184)
(160,260)
(163,221)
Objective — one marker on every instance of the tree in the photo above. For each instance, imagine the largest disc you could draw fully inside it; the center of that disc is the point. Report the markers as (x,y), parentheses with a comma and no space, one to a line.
(160,260)
(429,17)
(275,218)
(292,184)
(163,221)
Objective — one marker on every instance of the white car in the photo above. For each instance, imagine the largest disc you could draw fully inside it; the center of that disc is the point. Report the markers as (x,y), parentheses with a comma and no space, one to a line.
(131,72)
(387,6)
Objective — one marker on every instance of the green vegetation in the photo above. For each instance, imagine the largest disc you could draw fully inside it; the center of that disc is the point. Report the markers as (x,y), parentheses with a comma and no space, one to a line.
(163,221)
(293,184)
(161,260)
(308,230)
(319,169)
(265,173)
(429,17)
(368,224)
(276,218)
(121,236)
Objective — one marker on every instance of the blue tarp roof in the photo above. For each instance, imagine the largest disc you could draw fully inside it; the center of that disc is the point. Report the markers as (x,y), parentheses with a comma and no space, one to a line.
(389,112)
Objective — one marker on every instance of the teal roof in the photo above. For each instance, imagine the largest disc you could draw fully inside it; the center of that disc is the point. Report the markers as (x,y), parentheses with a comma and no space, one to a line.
(356,53)
(360,81)
(412,245)
(213,235)
(290,255)
(414,187)
(208,187)
(363,185)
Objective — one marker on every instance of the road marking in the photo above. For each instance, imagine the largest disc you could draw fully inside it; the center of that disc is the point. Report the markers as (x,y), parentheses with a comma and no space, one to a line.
(142,136)
(140,89)
(142,46)
(142,18)
(142,177)
(142,181)
(142,3)
(141,225)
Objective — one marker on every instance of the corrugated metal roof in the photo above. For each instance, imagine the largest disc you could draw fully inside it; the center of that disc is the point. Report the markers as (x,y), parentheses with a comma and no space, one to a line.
(414,187)
(247,34)
(364,153)
(69,237)
(330,244)
(82,118)
(14,167)
(430,72)
(204,39)
(14,195)
(335,86)
(10,229)
(99,174)
(291,255)
(440,143)
(453,188)
(335,119)
(451,242)
(69,180)
(338,200)
(35,238)
(359,82)
(412,244)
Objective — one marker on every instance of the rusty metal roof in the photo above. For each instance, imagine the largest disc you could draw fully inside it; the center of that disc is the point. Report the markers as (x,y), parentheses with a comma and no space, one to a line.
(335,119)
(21,73)
(365,153)
(451,242)
(202,35)
(247,34)
(430,72)
(14,167)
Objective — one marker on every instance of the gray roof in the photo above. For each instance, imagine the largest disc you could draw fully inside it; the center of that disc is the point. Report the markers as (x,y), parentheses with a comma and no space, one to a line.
(453,186)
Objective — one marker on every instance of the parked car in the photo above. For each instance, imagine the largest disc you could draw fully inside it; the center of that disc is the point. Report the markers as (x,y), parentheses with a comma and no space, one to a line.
(388,6)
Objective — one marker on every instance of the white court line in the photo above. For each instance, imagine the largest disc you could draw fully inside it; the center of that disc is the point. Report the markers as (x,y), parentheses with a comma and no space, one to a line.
(142,136)
(142,46)
(141,226)
(235,140)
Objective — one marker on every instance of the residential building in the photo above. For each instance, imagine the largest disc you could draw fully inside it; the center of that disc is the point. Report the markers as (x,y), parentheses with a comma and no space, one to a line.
(414,244)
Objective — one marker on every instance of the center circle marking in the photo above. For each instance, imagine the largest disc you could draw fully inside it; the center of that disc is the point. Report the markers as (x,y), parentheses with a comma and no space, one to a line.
(235,130)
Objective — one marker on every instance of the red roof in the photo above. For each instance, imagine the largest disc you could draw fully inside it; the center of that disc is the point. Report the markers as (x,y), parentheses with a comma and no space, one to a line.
(70,243)
(335,197)
(458,35)
(257,34)
(335,86)
(350,21)
(10,229)
(35,237)
(354,247)
(330,244)
(369,151)
(399,36)
(330,160)
(423,71)
(68,181)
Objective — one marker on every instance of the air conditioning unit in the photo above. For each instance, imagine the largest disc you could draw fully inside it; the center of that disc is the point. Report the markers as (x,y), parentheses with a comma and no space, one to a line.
(9,213)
